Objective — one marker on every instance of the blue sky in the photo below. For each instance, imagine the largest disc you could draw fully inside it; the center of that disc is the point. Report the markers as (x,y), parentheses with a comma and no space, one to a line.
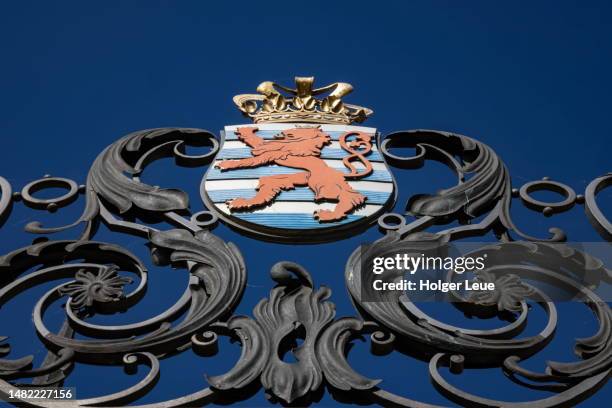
(531,79)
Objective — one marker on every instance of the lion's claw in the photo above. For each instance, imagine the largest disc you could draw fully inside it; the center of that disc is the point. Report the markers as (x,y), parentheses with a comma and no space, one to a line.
(326,216)
(238,204)
(244,132)
(223,165)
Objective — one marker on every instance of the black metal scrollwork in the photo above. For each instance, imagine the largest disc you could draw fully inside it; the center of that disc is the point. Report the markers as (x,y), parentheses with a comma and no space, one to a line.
(94,277)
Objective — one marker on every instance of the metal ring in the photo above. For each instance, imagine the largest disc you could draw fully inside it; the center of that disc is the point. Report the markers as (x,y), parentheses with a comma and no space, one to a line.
(204,219)
(49,203)
(391,221)
(548,208)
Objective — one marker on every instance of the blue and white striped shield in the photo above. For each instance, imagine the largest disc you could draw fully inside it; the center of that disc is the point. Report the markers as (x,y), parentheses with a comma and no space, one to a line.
(298,182)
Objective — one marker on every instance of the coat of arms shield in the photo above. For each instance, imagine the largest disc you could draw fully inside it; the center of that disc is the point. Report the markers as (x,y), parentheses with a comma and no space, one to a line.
(304,181)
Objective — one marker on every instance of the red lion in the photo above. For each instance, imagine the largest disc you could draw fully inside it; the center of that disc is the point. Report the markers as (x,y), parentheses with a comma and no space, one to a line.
(300,148)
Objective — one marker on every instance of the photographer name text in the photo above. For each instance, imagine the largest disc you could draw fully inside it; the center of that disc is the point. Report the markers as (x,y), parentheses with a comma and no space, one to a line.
(410,264)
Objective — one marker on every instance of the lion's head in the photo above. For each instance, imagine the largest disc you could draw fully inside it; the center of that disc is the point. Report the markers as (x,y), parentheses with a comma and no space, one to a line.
(308,136)
(302,141)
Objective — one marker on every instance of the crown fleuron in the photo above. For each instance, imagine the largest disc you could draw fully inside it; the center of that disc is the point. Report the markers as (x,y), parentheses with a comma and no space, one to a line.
(276,103)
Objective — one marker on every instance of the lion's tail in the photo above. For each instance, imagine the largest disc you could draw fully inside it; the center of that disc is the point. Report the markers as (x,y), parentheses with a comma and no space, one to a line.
(364,144)
(355,173)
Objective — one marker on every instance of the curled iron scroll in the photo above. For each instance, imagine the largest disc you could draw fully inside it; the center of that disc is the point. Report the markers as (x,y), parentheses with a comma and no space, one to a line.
(296,309)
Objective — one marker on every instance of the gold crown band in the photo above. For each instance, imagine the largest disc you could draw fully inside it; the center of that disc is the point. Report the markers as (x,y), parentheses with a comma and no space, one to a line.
(276,103)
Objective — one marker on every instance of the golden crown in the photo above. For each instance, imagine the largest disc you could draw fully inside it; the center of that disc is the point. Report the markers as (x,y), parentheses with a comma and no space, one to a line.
(276,103)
